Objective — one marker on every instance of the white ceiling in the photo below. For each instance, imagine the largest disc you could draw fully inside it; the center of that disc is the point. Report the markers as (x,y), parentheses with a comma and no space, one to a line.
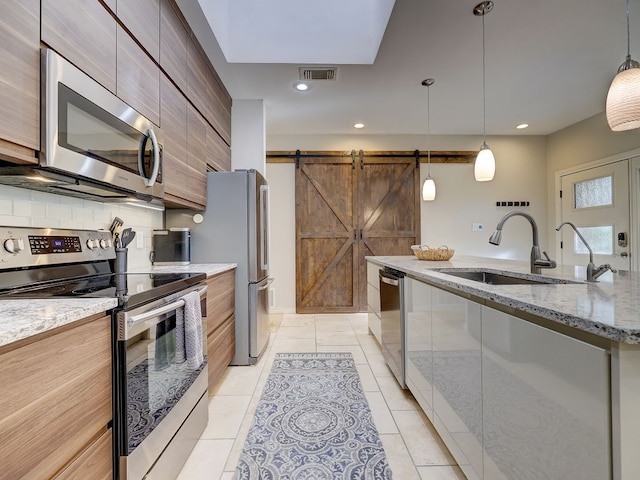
(549,63)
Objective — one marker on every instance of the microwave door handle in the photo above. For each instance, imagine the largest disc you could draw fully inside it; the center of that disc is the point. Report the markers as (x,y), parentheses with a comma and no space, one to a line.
(149,182)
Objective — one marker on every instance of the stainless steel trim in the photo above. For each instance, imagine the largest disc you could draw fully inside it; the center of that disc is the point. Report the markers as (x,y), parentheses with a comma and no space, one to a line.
(156,158)
(132,323)
(388,280)
(264,226)
(269,281)
(142,458)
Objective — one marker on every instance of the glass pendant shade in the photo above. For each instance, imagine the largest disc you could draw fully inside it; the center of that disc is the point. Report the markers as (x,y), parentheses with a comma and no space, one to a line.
(429,190)
(485,167)
(623,100)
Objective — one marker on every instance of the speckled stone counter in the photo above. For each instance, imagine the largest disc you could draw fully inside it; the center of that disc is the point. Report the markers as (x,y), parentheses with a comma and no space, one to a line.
(21,319)
(608,308)
(210,269)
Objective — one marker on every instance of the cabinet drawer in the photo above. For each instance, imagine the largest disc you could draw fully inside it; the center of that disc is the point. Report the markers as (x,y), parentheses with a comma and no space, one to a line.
(221,349)
(220,300)
(57,400)
(96,462)
(372,275)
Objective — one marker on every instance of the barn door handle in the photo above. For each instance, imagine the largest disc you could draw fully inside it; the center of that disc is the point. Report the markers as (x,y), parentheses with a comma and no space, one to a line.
(360,234)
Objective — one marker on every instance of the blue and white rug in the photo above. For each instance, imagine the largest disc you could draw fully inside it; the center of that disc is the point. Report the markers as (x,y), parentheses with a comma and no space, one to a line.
(313,423)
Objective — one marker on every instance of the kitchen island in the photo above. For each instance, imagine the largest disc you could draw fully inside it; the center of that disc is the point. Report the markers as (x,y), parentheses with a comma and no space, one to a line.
(525,381)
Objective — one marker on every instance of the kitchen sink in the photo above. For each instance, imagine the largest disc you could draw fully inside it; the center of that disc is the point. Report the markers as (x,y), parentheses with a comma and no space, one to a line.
(492,277)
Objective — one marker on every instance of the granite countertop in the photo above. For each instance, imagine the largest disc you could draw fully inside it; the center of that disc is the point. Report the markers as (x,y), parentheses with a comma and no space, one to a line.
(210,269)
(21,319)
(608,308)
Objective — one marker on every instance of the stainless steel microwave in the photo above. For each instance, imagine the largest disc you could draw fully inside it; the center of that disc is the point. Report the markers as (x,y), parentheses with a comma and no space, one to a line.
(92,145)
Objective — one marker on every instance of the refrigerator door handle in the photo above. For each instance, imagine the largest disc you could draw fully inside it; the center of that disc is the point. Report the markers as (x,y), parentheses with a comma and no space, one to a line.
(264,227)
(267,281)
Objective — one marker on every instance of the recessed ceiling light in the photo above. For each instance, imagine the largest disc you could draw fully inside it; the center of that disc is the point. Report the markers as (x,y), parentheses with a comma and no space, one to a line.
(301,86)
(522,125)
(358,125)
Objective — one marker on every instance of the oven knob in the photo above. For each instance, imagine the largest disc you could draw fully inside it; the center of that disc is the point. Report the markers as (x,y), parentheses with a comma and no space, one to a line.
(103,244)
(14,245)
(91,244)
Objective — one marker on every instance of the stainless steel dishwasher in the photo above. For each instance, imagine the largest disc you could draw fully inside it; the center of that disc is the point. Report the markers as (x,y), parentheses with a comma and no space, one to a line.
(392,319)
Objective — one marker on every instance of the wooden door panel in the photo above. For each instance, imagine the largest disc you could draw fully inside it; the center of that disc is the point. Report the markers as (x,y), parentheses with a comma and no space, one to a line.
(325,258)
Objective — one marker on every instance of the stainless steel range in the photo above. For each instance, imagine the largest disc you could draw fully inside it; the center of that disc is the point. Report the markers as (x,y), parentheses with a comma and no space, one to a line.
(159,400)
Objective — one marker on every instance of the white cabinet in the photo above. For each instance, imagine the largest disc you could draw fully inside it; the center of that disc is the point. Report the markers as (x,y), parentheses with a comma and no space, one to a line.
(457,388)
(419,354)
(373,301)
(545,409)
(512,400)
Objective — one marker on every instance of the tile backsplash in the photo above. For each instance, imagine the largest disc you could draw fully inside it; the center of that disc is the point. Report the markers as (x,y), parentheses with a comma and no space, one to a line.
(31,208)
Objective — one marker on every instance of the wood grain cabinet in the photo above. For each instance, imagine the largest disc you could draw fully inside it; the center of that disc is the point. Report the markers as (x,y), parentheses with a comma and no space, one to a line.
(218,152)
(138,78)
(220,324)
(20,79)
(142,18)
(173,44)
(56,403)
(218,106)
(197,72)
(196,157)
(84,32)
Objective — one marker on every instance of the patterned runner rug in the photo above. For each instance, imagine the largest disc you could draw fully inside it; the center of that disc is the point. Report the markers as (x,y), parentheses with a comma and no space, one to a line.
(313,423)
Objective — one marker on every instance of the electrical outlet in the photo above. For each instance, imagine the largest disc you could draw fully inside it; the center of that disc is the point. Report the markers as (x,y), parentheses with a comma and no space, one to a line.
(477,227)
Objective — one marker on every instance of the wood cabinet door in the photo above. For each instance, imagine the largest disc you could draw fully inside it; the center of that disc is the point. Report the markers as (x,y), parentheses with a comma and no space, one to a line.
(173,44)
(56,397)
(326,245)
(197,68)
(218,152)
(84,32)
(138,78)
(142,18)
(218,106)
(173,121)
(196,157)
(20,74)
(349,207)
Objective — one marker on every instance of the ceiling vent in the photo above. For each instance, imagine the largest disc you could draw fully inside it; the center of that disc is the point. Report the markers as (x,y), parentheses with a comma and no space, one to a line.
(318,73)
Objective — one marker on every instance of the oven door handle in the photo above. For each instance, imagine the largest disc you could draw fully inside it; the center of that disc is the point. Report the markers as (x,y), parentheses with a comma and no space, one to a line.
(161,310)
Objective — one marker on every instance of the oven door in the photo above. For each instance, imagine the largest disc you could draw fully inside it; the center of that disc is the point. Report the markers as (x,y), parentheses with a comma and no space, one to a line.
(90,132)
(156,392)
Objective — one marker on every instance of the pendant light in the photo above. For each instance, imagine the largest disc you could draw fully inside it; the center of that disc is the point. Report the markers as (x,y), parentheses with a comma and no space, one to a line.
(429,186)
(623,99)
(485,166)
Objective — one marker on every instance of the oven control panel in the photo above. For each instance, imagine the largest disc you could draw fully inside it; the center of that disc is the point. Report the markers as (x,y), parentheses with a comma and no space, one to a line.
(22,247)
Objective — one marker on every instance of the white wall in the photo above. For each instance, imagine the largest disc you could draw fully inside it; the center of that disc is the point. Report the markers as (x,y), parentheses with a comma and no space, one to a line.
(460,202)
(248,135)
(581,143)
(28,208)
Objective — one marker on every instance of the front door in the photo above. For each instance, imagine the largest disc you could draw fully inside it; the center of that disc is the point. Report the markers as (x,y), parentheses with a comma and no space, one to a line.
(596,201)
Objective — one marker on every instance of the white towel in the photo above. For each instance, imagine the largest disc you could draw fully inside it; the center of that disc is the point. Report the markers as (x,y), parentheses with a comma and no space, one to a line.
(189,322)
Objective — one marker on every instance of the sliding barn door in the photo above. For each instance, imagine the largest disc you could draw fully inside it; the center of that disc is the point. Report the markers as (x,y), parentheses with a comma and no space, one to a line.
(348,207)
(389,211)
(326,257)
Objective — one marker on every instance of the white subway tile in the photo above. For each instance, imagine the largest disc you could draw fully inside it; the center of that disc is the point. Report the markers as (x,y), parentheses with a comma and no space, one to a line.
(22,208)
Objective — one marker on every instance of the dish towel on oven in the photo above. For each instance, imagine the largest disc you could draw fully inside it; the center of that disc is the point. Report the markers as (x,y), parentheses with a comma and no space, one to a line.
(189,332)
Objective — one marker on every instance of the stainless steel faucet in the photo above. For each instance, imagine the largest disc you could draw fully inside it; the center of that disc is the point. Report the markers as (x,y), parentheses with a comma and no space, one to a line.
(593,272)
(537,262)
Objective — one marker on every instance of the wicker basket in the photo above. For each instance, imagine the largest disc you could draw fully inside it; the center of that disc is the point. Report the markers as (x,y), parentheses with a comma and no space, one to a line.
(423,252)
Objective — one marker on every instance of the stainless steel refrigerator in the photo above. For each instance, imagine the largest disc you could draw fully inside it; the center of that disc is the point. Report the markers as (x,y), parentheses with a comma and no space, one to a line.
(235,229)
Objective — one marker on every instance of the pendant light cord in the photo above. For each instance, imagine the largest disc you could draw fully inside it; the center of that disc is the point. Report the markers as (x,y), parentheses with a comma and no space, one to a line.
(484,100)
(628,35)
(428,134)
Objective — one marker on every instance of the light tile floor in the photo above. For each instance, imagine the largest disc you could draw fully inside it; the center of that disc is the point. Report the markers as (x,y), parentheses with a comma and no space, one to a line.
(414,450)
